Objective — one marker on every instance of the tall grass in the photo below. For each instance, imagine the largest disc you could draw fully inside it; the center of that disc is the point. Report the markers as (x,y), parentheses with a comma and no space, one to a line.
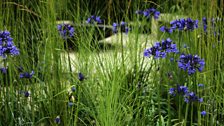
(121,87)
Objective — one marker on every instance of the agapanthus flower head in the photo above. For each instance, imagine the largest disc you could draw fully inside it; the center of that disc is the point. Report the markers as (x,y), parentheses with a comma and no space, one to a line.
(171,59)
(200,100)
(123,23)
(123,27)
(172,91)
(153,51)
(191,63)
(26,93)
(184,24)
(115,27)
(81,77)
(66,30)
(200,85)
(149,12)
(160,49)
(27,75)
(6,45)
(73,89)
(182,89)
(192,97)
(57,120)
(187,95)
(179,89)
(156,14)
(127,29)
(203,113)
(166,29)
(70,104)
(191,24)
(3,70)
(94,19)
(168,46)
(204,22)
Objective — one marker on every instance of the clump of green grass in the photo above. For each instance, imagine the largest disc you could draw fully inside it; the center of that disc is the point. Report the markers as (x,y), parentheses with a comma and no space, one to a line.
(101,86)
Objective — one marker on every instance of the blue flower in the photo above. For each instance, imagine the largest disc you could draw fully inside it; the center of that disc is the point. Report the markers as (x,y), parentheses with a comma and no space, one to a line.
(6,45)
(191,97)
(160,50)
(172,91)
(156,14)
(186,100)
(204,21)
(166,29)
(203,113)
(70,104)
(115,28)
(92,19)
(153,51)
(3,70)
(66,30)
(149,12)
(171,59)
(184,24)
(26,93)
(26,75)
(123,23)
(200,100)
(191,24)
(200,85)
(123,27)
(182,89)
(191,63)
(73,89)
(57,120)
(81,76)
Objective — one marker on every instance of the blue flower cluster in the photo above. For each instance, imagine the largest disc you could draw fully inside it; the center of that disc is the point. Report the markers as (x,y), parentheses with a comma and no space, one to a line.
(27,75)
(66,30)
(81,77)
(3,70)
(213,27)
(183,91)
(148,12)
(123,25)
(6,45)
(191,63)
(160,50)
(57,120)
(204,22)
(181,24)
(92,19)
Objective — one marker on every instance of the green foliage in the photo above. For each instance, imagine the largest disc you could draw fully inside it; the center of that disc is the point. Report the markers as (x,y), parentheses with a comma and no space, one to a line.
(121,87)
